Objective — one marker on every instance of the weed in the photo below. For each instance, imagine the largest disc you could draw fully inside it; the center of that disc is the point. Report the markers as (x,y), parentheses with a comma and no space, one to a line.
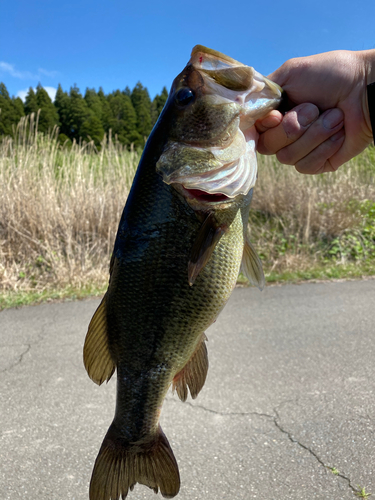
(362,493)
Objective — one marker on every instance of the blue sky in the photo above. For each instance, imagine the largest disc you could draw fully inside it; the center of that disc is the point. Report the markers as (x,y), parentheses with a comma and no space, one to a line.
(117,43)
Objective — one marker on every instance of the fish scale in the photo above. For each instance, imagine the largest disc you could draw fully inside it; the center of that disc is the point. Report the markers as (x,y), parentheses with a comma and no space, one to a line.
(176,259)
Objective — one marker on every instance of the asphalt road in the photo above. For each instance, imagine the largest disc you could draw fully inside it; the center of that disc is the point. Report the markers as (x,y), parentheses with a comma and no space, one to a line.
(287,412)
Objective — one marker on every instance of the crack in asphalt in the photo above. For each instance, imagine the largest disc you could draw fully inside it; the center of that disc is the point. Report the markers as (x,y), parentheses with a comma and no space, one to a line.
(275,418)
(295,441)
(215,412)
(240,414)
(20,357)
(39,338)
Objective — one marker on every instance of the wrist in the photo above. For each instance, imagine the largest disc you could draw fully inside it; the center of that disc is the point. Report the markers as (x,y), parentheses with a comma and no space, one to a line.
(368,58)
(371,105)
(368,104)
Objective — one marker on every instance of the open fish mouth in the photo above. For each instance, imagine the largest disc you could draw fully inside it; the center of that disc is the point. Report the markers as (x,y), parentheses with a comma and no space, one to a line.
(203,197)
(233,96)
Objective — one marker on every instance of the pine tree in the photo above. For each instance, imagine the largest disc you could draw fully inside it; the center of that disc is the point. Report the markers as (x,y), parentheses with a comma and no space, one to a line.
(94,102)
(92,129)
(142,105)
(62,107)
(48,117)
(30,106)
(158,104)
(78,113)
(106,110)
(18,106)
(123,118)
(6,111)
(4,92)
(10,111)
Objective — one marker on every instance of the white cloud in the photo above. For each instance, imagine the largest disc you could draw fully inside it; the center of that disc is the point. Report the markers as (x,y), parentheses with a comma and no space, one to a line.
(45,72)
(51,91)
(22,94)
(10,69)
(23,75)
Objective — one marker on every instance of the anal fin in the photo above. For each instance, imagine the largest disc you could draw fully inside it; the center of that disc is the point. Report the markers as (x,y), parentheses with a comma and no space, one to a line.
(193,374)
(96,356)
(252,266)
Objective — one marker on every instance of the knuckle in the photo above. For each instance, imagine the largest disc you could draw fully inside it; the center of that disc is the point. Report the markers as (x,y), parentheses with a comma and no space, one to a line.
(284,156)
(311,168)
(262,147)
(330,166)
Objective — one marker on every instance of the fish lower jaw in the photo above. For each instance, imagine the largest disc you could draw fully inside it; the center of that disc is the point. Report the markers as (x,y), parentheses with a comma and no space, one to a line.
(200,195)
(200,200)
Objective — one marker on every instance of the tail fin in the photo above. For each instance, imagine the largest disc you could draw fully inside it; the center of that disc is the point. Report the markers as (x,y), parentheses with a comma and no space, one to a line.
(120,465)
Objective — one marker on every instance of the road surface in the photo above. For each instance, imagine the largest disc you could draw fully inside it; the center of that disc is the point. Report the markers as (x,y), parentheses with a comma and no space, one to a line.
(287,412)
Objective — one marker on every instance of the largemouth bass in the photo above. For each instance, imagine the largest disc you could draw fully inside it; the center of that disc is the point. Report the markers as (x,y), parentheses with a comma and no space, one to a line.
(178,251)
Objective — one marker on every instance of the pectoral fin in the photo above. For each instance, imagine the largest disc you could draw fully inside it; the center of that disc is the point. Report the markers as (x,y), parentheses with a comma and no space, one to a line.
(252,265)
(204,245)
(96,356)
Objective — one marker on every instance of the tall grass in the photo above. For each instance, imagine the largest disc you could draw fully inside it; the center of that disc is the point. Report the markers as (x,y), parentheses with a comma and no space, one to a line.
(60,207)
(299,221)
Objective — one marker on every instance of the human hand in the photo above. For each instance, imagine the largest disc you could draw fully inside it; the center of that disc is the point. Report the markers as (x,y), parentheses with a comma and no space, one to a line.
(335,84)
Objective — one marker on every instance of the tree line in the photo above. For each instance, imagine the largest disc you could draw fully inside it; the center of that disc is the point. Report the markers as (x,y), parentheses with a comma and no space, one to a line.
(130,114)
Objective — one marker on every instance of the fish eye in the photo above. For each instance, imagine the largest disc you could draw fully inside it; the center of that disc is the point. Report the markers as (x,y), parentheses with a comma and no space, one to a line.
(184,96)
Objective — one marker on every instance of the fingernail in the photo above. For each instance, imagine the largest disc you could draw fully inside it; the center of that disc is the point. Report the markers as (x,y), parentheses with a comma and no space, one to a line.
(339,135)
(333,118)
(307,114)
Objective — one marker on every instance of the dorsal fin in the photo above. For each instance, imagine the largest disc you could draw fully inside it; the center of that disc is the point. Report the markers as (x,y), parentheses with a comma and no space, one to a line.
(96,356)
(251,265)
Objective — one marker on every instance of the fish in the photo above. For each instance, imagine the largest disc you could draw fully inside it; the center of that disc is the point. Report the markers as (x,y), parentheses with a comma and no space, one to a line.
(181,242)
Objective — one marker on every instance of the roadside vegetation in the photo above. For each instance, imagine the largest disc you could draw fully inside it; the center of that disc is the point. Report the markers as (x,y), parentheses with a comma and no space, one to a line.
(315,227)
(61,204)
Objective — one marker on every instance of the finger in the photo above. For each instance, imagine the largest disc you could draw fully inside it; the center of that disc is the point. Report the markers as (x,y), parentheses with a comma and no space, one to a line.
(273,119)
(325,126)
(353,145)
(292,127)
(319,160)
(279,76)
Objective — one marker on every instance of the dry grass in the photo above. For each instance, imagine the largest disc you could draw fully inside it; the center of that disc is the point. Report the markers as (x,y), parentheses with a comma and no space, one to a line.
(298,221)
(60,209)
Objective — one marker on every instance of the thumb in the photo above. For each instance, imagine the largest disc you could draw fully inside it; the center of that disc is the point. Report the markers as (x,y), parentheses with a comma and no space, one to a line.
(272,120)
